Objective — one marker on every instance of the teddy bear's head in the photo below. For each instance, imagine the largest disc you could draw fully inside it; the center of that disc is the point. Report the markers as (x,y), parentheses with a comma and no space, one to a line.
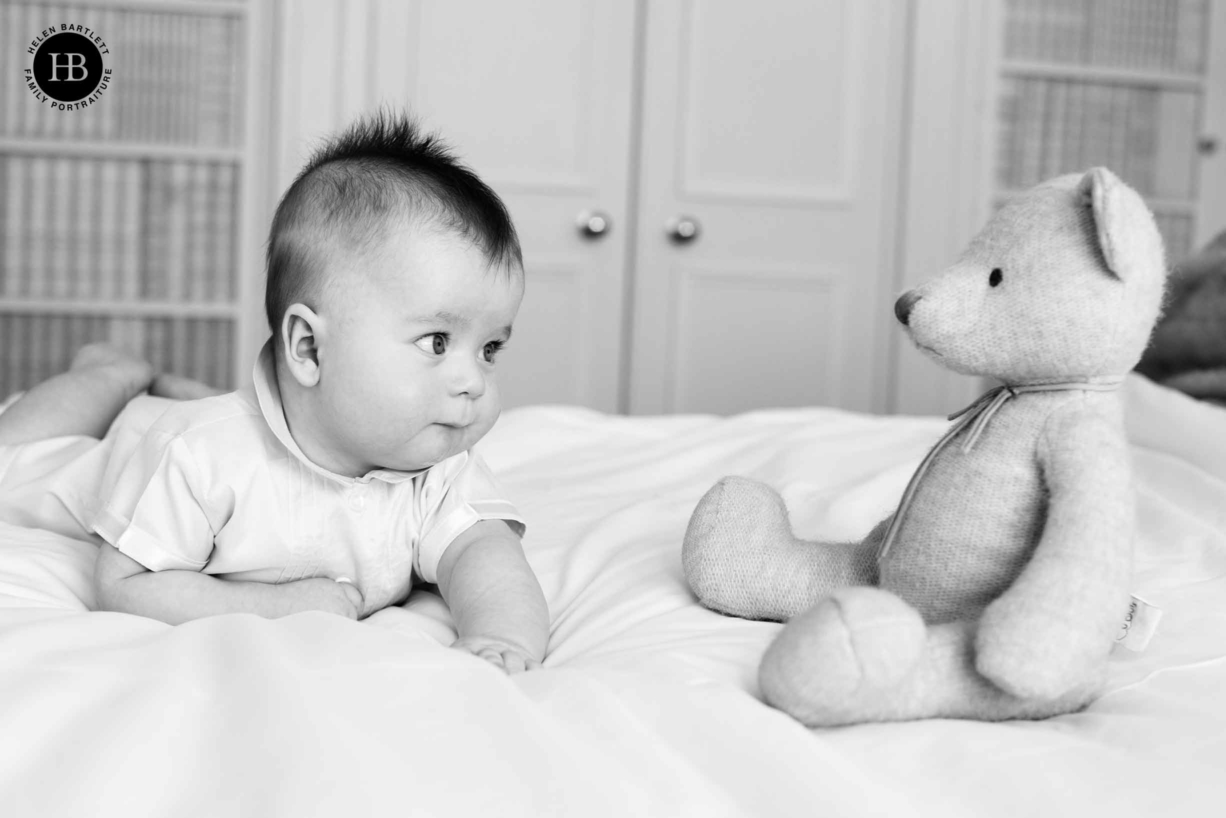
(1063,283)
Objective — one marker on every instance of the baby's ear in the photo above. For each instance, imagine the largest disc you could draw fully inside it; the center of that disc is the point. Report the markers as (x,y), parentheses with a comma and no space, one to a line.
(300,336)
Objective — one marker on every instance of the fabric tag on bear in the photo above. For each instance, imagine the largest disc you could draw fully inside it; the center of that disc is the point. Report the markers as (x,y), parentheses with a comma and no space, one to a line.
(1139,625)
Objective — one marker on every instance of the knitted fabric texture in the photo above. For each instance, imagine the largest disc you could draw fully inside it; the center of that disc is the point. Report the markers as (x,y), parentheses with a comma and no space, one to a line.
(949,572)
(765,572)
(1006,578)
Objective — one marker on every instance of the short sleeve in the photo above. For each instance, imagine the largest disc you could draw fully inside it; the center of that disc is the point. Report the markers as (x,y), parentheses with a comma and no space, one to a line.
(153,510)
(450,498)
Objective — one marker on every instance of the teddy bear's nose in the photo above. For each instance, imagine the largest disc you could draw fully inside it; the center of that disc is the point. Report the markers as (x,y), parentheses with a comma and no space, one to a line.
(905,303)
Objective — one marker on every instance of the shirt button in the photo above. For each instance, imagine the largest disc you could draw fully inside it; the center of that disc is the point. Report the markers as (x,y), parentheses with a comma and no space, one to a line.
(356,501)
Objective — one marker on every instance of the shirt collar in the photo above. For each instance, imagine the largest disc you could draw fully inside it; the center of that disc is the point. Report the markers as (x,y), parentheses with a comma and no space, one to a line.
(268,398)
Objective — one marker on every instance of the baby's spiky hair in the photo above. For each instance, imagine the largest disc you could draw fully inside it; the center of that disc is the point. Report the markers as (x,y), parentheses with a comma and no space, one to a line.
(382,168)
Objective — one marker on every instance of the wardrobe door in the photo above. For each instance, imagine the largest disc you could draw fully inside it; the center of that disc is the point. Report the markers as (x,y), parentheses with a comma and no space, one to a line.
(536,97)
(769,175)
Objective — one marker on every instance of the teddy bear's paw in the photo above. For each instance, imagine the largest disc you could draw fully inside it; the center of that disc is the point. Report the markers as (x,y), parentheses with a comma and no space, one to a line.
(736,536)
(844,657)
(732,510)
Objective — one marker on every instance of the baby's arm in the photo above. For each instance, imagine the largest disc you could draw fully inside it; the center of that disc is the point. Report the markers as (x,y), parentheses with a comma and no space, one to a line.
(177,596)
(498,606)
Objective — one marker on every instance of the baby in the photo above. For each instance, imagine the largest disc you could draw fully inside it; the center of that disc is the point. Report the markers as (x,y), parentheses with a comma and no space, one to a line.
(52,454)
(344,470)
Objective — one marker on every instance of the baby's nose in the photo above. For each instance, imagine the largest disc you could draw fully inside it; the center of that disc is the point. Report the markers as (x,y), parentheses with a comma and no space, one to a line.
(474,388)
(468,380)
(903,306)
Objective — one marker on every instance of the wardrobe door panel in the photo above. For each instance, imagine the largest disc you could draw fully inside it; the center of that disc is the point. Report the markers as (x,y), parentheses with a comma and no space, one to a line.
(769,175)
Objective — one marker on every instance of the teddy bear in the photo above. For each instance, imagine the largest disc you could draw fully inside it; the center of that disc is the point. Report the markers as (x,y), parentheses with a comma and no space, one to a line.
(1188,351)
(999,586)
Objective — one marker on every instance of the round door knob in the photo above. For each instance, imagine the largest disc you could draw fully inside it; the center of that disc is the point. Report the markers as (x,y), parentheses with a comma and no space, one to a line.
(682,229)
(593,224)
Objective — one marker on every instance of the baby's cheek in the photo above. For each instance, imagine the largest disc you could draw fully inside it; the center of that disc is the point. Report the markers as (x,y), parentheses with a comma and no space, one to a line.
(492,400)
(481,427)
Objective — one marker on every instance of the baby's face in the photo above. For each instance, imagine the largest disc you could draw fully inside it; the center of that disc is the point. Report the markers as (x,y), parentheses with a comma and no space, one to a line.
(408,369)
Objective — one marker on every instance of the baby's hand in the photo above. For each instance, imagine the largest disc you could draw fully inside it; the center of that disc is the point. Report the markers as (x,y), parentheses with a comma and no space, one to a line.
(505,655)
(329,595)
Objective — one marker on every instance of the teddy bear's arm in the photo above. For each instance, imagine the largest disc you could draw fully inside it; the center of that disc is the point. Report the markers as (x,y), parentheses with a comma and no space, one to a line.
(1051,631)
(740,556)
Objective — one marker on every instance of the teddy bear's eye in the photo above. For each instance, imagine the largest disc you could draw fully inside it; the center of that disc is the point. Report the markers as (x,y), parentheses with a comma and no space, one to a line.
(995,277)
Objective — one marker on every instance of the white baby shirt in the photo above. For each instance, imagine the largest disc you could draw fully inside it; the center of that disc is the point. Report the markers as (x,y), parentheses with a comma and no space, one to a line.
(220,486)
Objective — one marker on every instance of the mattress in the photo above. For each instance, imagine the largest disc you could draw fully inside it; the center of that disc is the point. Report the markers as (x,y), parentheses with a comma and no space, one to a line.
(648,703)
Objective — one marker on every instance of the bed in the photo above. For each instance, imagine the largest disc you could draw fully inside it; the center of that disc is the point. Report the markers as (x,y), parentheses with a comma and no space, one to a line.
(648,704)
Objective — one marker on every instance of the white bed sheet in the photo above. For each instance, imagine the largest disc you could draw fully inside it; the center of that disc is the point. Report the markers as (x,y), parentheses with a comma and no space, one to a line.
(648,703)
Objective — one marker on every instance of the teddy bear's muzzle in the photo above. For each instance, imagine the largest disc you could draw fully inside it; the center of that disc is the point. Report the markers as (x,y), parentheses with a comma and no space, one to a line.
(903,306)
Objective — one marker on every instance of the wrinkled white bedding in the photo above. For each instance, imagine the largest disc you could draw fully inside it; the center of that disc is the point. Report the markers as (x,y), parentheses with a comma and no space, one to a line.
(647,705)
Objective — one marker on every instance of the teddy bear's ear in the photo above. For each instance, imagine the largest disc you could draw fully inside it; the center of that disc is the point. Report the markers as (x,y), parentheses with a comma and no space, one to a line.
(1120,217)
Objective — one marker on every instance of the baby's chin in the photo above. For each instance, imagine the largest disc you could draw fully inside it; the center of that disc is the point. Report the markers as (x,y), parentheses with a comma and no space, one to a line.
(433,447)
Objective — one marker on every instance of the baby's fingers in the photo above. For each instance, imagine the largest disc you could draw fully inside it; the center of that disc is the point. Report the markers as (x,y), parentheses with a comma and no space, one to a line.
(511,661)
(516,662)
(508,660)
(492,655)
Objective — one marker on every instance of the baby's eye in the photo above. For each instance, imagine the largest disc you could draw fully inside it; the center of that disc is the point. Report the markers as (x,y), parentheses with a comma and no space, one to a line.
(491,350)
(995,277)
(435,344)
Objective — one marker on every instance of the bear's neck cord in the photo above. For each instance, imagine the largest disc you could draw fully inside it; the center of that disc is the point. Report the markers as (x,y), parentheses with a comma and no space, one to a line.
(977,416)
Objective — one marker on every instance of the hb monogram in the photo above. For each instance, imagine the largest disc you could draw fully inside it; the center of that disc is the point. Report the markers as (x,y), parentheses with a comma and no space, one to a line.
(71,65)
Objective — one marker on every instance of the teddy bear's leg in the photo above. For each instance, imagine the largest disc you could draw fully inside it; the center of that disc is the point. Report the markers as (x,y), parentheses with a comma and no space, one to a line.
(741,558)
(837,659)
(864,654)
